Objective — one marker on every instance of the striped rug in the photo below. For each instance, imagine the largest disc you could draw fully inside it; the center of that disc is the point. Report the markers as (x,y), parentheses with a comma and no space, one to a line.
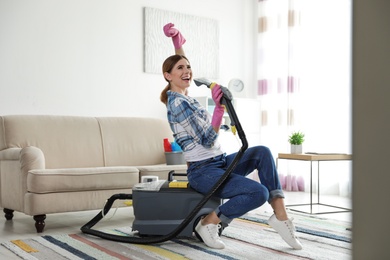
(249,237)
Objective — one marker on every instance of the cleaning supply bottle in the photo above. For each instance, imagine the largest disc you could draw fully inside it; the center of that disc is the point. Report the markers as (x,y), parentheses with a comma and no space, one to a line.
(175,147)
(167,145)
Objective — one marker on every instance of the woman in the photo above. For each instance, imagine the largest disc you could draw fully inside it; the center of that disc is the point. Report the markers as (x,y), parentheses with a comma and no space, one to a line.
(197,134)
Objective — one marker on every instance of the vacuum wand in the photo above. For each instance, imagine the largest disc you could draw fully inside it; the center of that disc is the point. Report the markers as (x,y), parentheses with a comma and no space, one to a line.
(226,100)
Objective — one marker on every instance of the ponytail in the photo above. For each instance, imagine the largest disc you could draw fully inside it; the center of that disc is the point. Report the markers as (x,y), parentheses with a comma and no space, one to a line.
(164,95)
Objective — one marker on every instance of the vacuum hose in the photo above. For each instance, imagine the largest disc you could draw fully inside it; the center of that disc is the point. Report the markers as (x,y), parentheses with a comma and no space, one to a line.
(87,228)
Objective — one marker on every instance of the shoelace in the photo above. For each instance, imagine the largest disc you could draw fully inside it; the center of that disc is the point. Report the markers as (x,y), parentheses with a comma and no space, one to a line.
(214,231)
(290,225)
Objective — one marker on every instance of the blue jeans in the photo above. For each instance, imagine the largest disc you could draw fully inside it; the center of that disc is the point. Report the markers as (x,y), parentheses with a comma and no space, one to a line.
(244,194)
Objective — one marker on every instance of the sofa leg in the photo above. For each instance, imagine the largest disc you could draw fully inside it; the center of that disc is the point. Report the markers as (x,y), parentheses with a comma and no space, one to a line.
(9,213)
(39,222)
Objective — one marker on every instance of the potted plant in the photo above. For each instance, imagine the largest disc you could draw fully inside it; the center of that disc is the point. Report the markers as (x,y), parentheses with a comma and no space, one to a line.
(296,140)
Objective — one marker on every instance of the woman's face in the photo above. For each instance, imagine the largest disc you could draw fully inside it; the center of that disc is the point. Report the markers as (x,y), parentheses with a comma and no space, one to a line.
(180,76)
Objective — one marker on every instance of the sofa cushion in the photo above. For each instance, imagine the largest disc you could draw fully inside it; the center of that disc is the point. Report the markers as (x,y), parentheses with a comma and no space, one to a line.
(133,141)
(81,179)
(46,203)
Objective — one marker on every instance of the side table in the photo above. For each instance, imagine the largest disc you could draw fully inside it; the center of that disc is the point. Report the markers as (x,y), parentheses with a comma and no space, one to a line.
(315,157)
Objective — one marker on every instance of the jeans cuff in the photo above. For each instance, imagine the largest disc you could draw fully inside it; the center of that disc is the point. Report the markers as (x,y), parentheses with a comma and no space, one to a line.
(222,217)
(275,194)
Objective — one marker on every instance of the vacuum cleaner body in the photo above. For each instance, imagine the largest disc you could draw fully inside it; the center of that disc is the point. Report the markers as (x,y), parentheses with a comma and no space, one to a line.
(159,212)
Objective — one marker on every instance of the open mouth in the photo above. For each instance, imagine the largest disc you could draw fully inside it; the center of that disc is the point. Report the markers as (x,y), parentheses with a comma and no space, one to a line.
(186,78)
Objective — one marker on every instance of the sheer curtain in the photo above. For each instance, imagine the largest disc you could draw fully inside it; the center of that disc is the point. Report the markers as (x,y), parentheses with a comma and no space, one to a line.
(303,70)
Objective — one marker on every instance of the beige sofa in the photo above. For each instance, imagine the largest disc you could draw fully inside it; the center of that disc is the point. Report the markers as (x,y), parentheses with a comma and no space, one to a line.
(53,164)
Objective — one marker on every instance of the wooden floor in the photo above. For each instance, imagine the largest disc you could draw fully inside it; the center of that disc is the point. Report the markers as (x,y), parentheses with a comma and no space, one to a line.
(22,226)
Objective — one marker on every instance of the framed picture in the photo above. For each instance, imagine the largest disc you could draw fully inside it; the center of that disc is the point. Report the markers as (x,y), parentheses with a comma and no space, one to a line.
(201,47)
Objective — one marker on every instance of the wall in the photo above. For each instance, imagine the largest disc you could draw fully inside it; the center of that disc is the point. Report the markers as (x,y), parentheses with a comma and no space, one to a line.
(371,142)
(86,57)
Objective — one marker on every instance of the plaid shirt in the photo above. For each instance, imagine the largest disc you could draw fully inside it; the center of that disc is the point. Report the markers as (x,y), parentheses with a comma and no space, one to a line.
(190,122)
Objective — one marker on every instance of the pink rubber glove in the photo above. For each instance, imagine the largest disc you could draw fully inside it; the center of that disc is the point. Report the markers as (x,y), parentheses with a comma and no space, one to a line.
(177,37)
(219,110)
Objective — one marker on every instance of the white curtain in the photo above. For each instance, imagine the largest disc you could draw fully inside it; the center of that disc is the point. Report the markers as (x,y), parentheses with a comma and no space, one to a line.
(304,83)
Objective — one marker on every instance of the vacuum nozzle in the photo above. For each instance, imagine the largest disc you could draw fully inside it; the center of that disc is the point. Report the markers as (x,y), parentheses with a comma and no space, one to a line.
(202,81)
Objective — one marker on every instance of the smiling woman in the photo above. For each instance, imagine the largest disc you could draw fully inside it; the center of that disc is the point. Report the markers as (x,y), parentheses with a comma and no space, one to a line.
(197,132)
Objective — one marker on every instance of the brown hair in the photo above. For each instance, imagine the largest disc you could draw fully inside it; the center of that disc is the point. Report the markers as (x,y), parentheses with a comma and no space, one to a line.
(167,66)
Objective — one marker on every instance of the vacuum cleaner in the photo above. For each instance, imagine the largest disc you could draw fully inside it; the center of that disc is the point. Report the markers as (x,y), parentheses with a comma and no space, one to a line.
(160,207)
(164,210)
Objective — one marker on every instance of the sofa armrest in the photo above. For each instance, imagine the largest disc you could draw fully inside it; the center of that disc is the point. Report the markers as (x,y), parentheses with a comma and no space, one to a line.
(28,158)
(10,154)
(31,158)
(15,164)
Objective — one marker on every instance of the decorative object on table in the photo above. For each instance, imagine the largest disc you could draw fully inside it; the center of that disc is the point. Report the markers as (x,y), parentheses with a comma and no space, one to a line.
(296,140)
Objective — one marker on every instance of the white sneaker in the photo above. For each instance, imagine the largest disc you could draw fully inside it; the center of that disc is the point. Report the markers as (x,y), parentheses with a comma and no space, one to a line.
(209,234)
(286,230)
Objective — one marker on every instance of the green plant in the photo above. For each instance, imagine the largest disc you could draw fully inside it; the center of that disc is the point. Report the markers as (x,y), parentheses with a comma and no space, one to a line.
(296,138)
